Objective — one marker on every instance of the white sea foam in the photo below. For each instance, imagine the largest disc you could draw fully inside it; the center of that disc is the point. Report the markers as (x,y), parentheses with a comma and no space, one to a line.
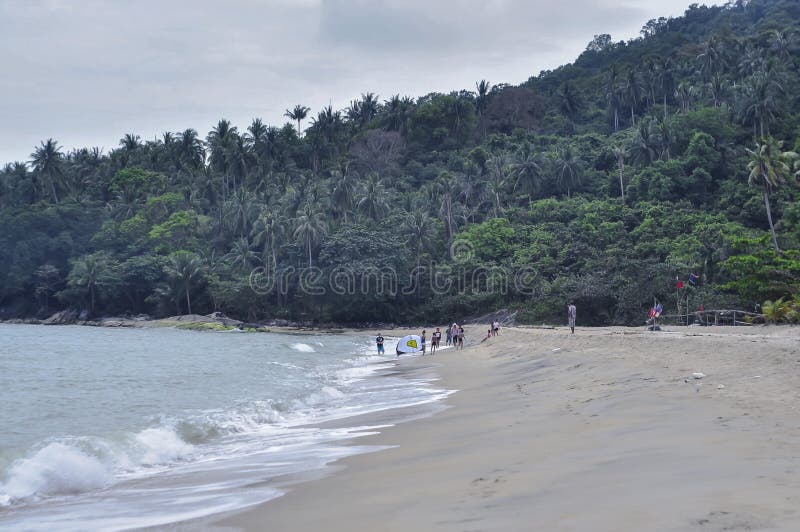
(161,445)
(54,470)
(303,348)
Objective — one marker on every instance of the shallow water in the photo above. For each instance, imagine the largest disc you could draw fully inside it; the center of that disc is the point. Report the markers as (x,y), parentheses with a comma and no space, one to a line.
(98,424)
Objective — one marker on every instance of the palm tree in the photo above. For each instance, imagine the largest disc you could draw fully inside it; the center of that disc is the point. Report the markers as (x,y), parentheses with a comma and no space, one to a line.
(266,231)
(241,255)
(343,192)
(620,154)
(784,44)
(666,75)
(684,92)
(89,273)
(47,161)
(298,113)
(633,92)
(185,269)
(526,168)
(712,57)
(769,167)
(310,227)
(613,93)
(221,141)
(372,201)
(664,137)
(362,111)
(569,102)
(644,144)
(130,142)
(759,101)
(397,111)
(717,88)
(418,226)
(482,101)
(442,190)
(190,149)
(240,211)
(569,168)
(499,173)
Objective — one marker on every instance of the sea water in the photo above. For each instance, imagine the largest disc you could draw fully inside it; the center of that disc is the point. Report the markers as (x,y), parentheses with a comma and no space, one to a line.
(113,429)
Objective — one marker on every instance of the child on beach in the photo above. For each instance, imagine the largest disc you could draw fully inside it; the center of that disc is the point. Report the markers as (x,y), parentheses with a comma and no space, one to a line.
(423,342)
(488,335)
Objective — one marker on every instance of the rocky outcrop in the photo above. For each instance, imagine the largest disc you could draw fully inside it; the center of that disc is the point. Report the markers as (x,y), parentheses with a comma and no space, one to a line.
(65,317)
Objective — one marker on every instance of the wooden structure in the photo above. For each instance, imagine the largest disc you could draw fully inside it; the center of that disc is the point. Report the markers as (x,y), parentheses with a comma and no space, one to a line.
(715,317)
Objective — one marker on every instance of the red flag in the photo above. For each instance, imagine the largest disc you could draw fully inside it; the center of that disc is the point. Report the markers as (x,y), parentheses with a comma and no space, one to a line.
(680,284)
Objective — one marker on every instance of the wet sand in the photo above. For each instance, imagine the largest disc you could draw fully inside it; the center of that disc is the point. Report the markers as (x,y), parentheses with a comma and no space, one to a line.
(595,431)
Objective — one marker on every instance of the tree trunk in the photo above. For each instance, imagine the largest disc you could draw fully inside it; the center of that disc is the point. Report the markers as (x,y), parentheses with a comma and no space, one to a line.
(621,186)
(188,301)
(53,188)
(769,218)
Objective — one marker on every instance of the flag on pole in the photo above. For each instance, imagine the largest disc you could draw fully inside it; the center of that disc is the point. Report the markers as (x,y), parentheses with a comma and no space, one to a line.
(679,284)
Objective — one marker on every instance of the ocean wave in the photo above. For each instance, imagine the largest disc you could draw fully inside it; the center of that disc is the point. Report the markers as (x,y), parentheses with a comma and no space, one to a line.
(303,348)
(56,469)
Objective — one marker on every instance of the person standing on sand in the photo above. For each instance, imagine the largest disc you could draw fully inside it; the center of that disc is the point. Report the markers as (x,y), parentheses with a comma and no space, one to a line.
(423,342)
(495,328)
(461,337)
(436,337)
(379,341)
(449,333)
(571,313)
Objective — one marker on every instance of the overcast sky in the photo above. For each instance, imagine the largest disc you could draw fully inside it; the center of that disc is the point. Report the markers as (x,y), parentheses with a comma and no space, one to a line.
(85,72)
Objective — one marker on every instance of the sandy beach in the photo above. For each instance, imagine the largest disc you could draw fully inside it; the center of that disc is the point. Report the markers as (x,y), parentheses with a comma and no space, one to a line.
(597,431)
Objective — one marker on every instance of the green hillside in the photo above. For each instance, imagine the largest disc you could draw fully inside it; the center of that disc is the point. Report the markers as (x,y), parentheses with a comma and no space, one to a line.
(601,181)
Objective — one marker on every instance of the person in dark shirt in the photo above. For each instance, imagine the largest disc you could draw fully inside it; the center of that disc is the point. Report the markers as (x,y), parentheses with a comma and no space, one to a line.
(379,341)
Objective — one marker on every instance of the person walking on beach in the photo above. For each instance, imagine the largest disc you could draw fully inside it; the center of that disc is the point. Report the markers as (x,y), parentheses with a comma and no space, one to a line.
(379,341)
(423,342)
(495,328)
(571,312)
(436,337)
(449,334)
(461,337)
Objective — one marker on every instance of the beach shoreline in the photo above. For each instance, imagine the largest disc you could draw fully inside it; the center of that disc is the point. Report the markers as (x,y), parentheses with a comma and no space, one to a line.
(602,430)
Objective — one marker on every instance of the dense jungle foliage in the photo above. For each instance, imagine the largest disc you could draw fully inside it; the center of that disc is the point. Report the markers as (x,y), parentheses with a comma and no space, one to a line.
(601,181)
